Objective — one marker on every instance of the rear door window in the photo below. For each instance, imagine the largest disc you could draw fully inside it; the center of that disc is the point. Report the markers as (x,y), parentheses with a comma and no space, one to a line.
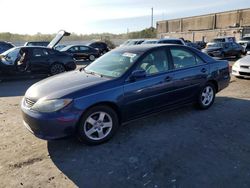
(40,52)
(183,58)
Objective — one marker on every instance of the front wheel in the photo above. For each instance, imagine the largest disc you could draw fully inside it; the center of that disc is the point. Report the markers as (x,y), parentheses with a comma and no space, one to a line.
(206,96)
(98,125)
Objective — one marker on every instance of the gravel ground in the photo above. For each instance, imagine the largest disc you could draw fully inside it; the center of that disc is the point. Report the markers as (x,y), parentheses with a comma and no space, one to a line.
(180,148)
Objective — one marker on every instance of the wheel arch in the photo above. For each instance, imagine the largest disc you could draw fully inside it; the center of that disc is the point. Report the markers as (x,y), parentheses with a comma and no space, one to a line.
(215,83)
(112,105)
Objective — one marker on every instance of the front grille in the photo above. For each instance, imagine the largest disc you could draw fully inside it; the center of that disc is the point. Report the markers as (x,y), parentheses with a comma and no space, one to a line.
(244,73)
(244,67)
(29,103)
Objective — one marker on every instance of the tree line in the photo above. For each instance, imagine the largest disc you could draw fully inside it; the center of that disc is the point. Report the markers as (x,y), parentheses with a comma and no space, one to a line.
(145,33)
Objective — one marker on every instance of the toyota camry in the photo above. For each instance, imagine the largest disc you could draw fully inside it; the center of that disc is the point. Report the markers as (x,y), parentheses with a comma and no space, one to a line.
(124,84)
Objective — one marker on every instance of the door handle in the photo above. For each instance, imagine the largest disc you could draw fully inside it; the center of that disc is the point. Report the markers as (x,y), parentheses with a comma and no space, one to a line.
(168,79)
(203,70)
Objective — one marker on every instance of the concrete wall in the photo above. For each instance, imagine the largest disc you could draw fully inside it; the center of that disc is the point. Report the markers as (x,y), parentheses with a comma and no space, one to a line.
(207,35)
(225,20)
(225,23)
(198,23)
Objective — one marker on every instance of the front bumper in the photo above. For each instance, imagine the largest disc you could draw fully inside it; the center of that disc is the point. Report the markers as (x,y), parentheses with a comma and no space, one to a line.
(241,72)
(50,126)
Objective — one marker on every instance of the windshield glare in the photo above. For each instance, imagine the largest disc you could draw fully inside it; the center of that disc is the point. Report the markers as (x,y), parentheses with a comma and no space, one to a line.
(113,64)
(11,54)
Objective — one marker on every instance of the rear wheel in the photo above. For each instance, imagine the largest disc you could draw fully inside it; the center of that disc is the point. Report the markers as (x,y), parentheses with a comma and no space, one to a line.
(57,68)
(98,125)
(206,96)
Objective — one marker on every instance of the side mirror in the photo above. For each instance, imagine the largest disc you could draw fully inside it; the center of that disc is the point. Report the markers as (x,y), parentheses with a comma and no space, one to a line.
(137,74)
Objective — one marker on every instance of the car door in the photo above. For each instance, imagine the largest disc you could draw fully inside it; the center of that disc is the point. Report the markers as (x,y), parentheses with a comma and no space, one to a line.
(39,59)
(190,73)
(75,51)
(237,48)
(84,52)
(149,93)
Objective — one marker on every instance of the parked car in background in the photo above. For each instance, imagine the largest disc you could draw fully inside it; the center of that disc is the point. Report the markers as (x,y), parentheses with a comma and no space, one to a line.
(101,46)
(150,41)
(223,39)
(5,46)
(241,68)
(125,43)
(59,47)
(201,44)
(81,52)
(171,41)
(131,42)
(245,43)
(224,49)
(37,43)
(36,59)
(135,42)
(125,84)
(32,60)
(192,44)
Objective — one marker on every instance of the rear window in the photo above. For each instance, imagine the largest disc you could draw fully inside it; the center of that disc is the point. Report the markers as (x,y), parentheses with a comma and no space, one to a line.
(218,40)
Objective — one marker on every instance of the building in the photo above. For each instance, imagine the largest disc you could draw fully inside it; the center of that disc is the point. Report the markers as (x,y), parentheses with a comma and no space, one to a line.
(206,27)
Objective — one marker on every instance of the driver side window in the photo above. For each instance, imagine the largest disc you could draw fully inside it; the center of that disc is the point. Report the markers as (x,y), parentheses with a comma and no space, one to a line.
(155,62)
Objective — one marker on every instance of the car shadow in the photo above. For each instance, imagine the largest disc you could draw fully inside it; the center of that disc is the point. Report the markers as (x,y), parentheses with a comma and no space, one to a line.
(180,148)
(15,88)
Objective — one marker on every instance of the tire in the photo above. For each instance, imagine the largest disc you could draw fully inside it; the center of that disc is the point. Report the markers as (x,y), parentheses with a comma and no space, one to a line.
(97,125)
(238,55)
(57,68)
(206,96)
(91,57)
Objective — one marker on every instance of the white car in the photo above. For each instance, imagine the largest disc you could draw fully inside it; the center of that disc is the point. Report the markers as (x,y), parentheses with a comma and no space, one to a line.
(241,68)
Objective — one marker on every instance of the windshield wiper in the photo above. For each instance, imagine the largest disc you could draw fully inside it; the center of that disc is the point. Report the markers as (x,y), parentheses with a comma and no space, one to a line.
(91,72)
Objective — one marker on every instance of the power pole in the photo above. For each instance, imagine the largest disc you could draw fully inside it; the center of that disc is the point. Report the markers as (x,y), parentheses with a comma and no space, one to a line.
(152,17)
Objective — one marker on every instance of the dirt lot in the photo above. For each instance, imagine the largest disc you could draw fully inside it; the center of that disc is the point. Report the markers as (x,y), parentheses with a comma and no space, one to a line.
(181,148)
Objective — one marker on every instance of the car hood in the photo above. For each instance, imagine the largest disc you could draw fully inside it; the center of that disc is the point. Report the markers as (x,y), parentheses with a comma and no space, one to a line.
(243,41)
(244,61)
(58,38)
(63,84)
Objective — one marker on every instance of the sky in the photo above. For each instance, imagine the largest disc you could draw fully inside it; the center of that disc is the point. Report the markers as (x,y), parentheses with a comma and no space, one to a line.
(98,16)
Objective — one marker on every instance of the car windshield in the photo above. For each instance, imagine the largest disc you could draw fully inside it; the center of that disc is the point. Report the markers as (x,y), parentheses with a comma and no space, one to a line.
(113,64)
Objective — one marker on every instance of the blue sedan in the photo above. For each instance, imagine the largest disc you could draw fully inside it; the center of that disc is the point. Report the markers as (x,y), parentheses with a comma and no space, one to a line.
(125,84)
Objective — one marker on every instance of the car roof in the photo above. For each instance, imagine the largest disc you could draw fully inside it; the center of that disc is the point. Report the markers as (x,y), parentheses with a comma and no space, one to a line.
(169,39)
(143,48)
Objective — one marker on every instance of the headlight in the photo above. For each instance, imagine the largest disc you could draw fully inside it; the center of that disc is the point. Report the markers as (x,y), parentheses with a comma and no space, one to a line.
(50,105)
(236,64)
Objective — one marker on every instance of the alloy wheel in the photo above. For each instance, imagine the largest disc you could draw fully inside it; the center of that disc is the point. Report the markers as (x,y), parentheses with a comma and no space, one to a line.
(98,125)
(207,95)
